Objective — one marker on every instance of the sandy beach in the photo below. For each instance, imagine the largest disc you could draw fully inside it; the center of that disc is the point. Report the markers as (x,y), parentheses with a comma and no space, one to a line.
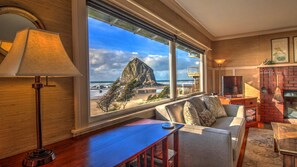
(138,99)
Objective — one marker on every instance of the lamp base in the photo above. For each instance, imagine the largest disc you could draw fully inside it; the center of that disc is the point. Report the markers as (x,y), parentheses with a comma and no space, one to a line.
(39,157)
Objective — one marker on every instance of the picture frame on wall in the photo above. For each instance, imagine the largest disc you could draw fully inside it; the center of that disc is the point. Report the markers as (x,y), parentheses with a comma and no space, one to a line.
(295,48)
(280,50)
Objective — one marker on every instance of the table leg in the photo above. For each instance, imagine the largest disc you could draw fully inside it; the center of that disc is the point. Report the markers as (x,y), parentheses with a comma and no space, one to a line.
(139,160)
(152,156)
(127,164)
(176,149)
(165,152)
(275,145)
(144,159)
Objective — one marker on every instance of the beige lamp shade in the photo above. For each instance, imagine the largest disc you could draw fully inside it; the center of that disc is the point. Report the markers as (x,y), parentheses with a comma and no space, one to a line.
(5,47)
(219,61)
(37,52)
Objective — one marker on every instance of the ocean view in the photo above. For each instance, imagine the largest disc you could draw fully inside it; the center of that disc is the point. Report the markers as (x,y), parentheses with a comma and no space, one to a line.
(129,69)
(99,88)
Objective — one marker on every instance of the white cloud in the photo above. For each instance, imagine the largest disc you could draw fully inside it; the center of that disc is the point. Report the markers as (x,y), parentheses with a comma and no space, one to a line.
(107,65)
(157,62)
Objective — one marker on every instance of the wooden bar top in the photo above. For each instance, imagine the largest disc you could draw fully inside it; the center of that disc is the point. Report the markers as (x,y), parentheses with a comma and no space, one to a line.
(104,149)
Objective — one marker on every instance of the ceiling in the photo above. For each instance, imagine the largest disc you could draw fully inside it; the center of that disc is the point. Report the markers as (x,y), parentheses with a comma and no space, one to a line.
(227,19)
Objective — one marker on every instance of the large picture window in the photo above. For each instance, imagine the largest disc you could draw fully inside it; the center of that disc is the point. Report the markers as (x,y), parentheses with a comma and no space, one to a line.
(128,65)
(188,66)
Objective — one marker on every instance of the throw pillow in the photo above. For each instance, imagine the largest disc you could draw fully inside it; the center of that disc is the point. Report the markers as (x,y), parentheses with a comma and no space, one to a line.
(198,103)
(190,114)
(206,117)
(214,105)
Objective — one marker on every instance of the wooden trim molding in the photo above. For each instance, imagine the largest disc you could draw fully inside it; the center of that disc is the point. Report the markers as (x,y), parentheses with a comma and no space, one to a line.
(234,68)
(80,58)
(250,34)
(278,65)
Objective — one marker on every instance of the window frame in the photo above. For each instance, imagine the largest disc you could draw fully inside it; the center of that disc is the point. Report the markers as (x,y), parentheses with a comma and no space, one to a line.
(201,66)
(83,121)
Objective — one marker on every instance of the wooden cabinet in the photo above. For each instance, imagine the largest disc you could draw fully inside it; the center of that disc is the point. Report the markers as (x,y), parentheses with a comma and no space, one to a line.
(250,106)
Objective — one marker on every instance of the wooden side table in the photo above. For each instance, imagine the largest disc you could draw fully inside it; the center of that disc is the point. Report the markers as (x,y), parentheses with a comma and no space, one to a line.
(154,134)
(132,142)
(250,106)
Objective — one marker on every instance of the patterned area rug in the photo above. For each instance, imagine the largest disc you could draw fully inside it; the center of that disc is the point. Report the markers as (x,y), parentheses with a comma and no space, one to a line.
(259,151)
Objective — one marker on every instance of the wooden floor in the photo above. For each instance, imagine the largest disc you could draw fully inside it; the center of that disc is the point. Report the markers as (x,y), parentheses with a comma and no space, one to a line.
(241,154)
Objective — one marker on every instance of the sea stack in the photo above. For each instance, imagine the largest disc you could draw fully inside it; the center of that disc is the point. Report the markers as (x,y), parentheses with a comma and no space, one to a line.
(139,71)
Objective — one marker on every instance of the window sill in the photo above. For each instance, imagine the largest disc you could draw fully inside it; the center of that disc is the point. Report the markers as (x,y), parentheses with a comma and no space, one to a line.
(121,113)
(144,113)
(189,95)
(148,113)
(103,121)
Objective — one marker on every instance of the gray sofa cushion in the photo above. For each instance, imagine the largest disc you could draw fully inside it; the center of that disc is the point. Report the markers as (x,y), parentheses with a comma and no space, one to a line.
(214,105)
(190,114)
(236,126)
(198,103)
(175,112)
(206,117)
(161,113)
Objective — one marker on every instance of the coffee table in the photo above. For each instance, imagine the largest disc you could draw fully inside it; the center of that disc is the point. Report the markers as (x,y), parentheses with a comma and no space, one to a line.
(285,141)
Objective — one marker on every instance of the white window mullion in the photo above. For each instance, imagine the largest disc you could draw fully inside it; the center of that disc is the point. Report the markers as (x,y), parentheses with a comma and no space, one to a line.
(172,69)
(202,71)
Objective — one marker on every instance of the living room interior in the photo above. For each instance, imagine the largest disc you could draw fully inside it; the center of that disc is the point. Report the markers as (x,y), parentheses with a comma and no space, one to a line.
(148,83)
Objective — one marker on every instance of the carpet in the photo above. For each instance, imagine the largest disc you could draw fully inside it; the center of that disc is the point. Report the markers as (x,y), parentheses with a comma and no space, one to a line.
(259,151)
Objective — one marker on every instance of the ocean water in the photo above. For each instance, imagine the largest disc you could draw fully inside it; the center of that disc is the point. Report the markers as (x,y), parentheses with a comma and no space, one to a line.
(99,92)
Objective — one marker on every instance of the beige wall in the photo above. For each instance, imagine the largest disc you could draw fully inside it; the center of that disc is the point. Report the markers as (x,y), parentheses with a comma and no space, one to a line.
(249,51)
(17,103)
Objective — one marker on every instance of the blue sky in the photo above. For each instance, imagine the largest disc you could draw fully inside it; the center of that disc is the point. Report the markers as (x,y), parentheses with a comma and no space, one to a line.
(111,48)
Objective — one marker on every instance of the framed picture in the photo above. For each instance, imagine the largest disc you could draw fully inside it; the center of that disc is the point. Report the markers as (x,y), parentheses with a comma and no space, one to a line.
(295,49)
(280,50)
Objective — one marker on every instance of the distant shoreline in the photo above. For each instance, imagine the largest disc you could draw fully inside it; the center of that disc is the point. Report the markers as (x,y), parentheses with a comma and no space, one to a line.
(98,93)
(182,80)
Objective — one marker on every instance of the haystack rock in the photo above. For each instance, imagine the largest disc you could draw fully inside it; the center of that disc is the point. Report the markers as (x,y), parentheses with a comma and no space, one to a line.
(139,71)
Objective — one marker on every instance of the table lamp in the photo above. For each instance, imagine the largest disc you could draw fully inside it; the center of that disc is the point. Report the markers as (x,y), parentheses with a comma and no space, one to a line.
(37,53)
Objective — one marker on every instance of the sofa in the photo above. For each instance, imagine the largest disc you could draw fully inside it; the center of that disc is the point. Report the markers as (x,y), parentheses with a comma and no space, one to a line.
(216,146)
